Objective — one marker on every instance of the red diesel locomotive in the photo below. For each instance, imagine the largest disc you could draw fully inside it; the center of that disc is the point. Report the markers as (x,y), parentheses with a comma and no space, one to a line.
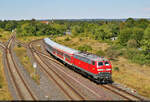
(95,67)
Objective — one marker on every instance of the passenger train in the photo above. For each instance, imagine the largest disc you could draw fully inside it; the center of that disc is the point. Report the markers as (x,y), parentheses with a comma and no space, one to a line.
(94,67)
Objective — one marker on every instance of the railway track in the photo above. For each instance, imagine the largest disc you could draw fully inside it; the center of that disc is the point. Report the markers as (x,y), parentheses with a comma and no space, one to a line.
(67,89)
(110,87)
(122,93)
(1,45)
(21,87)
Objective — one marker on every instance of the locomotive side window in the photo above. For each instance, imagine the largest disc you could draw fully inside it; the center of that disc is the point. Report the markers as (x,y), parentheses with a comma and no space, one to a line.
(86,60)
(100,63)
(89,61)
(82,59)
(93,62)
(75,56)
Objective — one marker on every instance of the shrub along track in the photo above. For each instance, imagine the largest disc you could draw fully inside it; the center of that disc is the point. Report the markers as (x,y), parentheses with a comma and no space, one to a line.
(22,89)
(116,90)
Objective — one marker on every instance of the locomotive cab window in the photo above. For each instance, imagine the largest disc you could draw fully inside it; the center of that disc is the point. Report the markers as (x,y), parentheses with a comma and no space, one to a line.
(100,63)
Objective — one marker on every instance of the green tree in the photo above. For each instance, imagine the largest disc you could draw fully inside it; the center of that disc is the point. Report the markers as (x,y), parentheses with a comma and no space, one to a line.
(129,22)
(142,23)
(137,34)
(125,35)
(10,25)
(145,44)
(147,32)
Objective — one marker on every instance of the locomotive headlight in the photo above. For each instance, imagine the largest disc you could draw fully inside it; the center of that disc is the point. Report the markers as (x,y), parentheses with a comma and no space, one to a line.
(100,69)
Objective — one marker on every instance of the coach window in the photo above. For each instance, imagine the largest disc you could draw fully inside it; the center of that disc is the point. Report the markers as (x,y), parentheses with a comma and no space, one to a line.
(68,57)
(93,62)
(61,53)
(50,48)
(56,51)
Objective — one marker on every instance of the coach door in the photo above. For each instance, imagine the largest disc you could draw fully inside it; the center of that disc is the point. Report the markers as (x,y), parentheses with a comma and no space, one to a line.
(64,57)
(93,69)
(67,58)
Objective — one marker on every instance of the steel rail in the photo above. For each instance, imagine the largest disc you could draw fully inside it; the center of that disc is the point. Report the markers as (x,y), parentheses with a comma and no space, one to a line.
(50,76)
(122,93)
(8,51)
(13,78)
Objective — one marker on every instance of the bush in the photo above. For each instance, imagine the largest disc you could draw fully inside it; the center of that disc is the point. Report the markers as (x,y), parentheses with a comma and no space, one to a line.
(116,69)
(136,56)
(67,39)
(85,48)
(113,52)
(132,43)
(130,53)
(80,39)
(100,53)
(19,45)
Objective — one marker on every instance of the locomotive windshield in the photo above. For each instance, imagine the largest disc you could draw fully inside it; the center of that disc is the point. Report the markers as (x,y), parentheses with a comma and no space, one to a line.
(106,63)
(100,63)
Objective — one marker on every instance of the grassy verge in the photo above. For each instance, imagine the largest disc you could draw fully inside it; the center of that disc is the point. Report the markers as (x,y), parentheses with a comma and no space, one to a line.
(76,42)
(22,55)
(4,92)
(4,35)
(132,75)
(124,72)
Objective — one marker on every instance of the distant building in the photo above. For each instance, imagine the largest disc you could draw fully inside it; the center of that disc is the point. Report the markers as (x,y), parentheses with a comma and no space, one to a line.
(68,32)
(140,49)
(114,38)
(45,22)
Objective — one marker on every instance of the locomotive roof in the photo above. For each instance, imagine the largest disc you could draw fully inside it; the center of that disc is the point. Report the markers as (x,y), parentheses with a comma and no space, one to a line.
(92,56)
(59,46)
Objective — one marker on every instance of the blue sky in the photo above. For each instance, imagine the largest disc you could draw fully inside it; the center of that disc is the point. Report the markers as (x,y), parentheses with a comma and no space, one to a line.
(73,9)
